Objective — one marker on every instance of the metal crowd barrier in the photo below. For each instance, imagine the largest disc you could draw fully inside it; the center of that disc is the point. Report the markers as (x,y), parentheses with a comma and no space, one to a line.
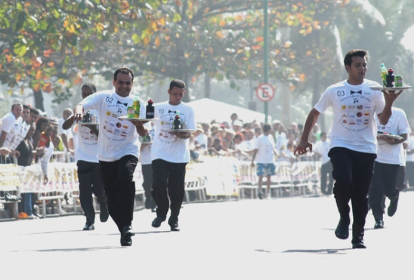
(208,178)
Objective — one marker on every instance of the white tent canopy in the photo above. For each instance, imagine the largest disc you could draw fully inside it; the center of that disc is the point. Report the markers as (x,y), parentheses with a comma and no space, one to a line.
(207,110)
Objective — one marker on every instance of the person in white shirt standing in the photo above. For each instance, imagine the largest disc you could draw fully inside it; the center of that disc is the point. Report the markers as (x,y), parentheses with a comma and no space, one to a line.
(353,140)
(265,150)
(390,157)
(146,166)
(322,148)
(170,155)
(9,124)
(66,134)
(86,156)
(118,147)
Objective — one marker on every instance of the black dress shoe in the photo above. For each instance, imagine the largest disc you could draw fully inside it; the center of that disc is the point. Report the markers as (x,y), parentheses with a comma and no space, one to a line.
(393,206)
(126,236)
(104,215)
(358,244)
(174,226)
(128,231)
(342,230)
(379,224)
(157,222)
(126,240)
(89,227)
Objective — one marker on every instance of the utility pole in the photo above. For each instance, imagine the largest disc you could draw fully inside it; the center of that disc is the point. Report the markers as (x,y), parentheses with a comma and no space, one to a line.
(266,53)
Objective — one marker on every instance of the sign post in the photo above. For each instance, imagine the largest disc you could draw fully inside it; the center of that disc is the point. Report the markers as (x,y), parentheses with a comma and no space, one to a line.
(266,52)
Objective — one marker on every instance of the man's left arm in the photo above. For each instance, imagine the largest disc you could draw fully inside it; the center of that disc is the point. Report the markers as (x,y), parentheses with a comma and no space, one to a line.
(139,125)
(385,115)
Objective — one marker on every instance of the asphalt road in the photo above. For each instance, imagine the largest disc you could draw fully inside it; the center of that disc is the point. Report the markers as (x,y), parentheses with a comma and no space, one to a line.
(289,238)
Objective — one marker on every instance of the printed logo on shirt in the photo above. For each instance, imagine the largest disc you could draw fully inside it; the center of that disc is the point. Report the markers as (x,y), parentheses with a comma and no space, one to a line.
(355,111)
(340,93)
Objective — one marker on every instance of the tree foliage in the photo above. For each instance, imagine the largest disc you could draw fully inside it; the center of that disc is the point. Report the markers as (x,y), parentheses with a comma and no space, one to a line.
(49,45)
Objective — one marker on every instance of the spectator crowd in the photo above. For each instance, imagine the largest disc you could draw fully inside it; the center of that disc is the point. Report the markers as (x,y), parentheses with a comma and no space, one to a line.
(28,136)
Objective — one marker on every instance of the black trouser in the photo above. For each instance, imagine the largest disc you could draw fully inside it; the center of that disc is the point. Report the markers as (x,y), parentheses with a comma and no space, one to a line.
(117,177)
(352,172)
(90,182)
(147,185)
(168,176)
(410,173)
(326,171)
(401,179)
(383,183)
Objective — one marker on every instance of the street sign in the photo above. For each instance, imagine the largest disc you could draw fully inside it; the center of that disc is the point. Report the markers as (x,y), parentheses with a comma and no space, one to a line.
(265,92)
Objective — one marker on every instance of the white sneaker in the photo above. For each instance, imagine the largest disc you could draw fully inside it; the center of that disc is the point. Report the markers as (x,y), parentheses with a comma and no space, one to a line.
(268,196)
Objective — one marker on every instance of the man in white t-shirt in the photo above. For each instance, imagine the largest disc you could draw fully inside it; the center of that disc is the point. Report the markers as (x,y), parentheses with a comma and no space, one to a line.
(66,134)
(9,125)
(21,127)
(390,157)
(200,139)
(322,148)
(118,147)
(170,154)
(264,153)
(86,156)
(353,140)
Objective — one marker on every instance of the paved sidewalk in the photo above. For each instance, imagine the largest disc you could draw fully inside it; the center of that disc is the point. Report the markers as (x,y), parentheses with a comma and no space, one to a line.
(289,238)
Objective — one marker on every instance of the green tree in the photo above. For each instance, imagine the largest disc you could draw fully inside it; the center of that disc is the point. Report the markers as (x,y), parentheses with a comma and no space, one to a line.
(50,45)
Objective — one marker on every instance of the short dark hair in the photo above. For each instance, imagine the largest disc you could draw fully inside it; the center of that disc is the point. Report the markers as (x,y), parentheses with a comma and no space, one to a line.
(16,104)
(124,70)
(89,85)
(267,127)
(352,53)
(177,83)
(34,110)
(26,107)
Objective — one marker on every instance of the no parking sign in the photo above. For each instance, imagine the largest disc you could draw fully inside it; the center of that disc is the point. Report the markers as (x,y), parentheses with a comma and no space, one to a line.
(265,92)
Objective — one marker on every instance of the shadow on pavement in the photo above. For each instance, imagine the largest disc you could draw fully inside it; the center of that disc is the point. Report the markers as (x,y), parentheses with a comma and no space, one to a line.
(89,249)
(319,251)
(316,251)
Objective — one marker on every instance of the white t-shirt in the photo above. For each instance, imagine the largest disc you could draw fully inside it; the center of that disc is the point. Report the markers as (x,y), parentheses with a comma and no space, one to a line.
(20,130)
(67,132)
(323,148)
(354,107)
(410,140)
(167,146)
(117,138)
(145,155)
(265,149)
(281,142)
(397,124)
(45,159)
(8,126)
(201,139)
(87,142)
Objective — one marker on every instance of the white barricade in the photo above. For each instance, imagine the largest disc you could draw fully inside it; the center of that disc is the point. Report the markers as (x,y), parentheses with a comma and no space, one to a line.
(212,176)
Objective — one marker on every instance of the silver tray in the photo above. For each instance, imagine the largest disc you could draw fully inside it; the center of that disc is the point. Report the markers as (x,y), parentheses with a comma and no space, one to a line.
(88,123)
(392,136)
(390,88)
(137,119)
(181,130)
